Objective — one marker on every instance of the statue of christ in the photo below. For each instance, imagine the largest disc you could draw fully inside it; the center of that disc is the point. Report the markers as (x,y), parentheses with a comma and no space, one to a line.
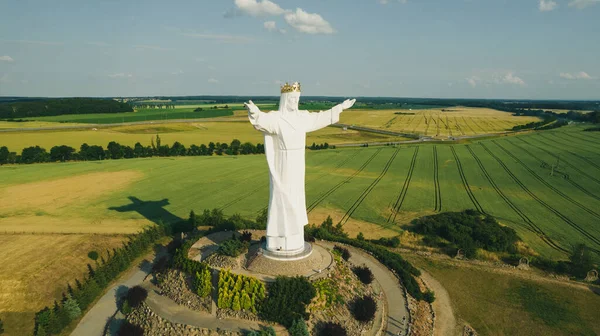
(285,141)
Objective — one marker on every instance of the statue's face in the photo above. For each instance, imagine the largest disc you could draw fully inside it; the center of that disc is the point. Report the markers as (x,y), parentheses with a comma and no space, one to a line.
(292,102)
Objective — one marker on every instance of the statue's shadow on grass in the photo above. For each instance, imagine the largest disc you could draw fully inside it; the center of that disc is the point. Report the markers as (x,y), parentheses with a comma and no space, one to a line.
(153,211)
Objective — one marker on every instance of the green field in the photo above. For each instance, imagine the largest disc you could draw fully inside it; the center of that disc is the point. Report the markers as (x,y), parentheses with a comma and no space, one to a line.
(507,177)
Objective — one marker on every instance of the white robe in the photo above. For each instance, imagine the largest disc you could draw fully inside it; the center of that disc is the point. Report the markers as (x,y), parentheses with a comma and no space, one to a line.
(285,143)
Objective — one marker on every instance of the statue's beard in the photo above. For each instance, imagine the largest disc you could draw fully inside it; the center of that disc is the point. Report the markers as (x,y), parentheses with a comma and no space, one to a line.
(290,107)
(289,102)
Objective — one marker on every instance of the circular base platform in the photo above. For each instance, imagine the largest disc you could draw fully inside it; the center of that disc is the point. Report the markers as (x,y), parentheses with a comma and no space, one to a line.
(316,263)
(287,255)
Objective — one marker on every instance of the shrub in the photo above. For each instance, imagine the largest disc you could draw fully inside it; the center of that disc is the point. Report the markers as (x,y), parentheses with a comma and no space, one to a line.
(238,292)
(232,247)
(429,296)
(1,327)
(203,283)
(342,251)
(389,242)
(332,329)
(93,255)
(364,308)
(299,328)
(160,265)
(246,236)
(125,308)
(287,300)
(136,295)
(267,331)
(129,329)
(364,274)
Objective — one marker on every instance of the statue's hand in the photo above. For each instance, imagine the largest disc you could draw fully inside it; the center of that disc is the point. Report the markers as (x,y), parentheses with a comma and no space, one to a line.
(252,109)
(348,103)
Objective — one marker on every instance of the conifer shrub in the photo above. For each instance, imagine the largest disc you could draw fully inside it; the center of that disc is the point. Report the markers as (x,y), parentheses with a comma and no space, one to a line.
(287,300)
(364,274)
(233,247)
(128,329)
(298,328)
(332,329)
(342,251)
(93,255)
(239,292)
(364,308)
(136,295)
(203,282)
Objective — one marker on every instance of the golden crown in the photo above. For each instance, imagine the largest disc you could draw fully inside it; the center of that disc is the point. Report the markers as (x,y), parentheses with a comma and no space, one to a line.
(290,88)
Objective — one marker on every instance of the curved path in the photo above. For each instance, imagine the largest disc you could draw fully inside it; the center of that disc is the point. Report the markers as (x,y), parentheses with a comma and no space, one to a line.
(397,312)
(94,322)
(445,322)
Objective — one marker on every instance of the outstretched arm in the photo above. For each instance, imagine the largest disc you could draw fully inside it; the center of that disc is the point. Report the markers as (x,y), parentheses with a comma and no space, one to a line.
(322,119)
(261,121)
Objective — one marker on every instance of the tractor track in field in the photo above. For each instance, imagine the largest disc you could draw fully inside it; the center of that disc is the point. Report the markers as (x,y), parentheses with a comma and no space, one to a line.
(533,227)
(436,181)
(572,135)
(544,182)
(565,162)
(341,164)
(402,195)
(573,183)
(370,188)
(469,126)
(418,123)
(478,125)
(543,203)
(458,126)
(595,165)
(465,183)
(326,194)
(428,124)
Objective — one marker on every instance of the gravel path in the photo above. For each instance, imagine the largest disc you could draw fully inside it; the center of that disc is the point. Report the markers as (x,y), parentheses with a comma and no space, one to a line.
(94,322)
(396,302)
(445,322)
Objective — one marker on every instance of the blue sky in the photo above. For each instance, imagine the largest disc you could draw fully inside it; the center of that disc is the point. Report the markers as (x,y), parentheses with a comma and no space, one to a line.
(537,49)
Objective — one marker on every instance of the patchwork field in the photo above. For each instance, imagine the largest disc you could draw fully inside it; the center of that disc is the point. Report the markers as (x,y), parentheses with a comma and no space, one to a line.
(544,185)
(439,122)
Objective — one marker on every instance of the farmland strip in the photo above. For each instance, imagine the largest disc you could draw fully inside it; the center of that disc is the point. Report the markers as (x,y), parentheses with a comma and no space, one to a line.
(566,162)
(465,183)
(458,126)
(469,126)
(573,183)
(574,154)
(541,202)
(476,124)
(566,197)
(534,228)
(436,181)
(586,139)
(326,194)
(404,190)
(368,190)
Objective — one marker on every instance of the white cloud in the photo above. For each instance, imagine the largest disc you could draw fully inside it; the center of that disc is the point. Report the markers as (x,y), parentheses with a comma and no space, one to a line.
(178,72)
(222,38)
(509,78)
(580,4)
(495,77)
(6,58)
(309,23)
(259,8)
(547,5)
(578,75)
(4,79)
(473,80)
(213,81)
(270,25)
(120,75)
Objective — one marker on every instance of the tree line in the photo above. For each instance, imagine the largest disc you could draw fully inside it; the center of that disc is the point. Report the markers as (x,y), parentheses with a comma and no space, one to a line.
(115,151)
(60,106)
(52,321)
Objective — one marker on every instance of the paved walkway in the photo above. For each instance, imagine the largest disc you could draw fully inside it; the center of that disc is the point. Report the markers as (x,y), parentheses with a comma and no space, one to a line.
(94,322)
(396,302)
(445,322)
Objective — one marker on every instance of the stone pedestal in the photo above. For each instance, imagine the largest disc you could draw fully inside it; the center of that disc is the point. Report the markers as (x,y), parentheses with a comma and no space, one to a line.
(289,245)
